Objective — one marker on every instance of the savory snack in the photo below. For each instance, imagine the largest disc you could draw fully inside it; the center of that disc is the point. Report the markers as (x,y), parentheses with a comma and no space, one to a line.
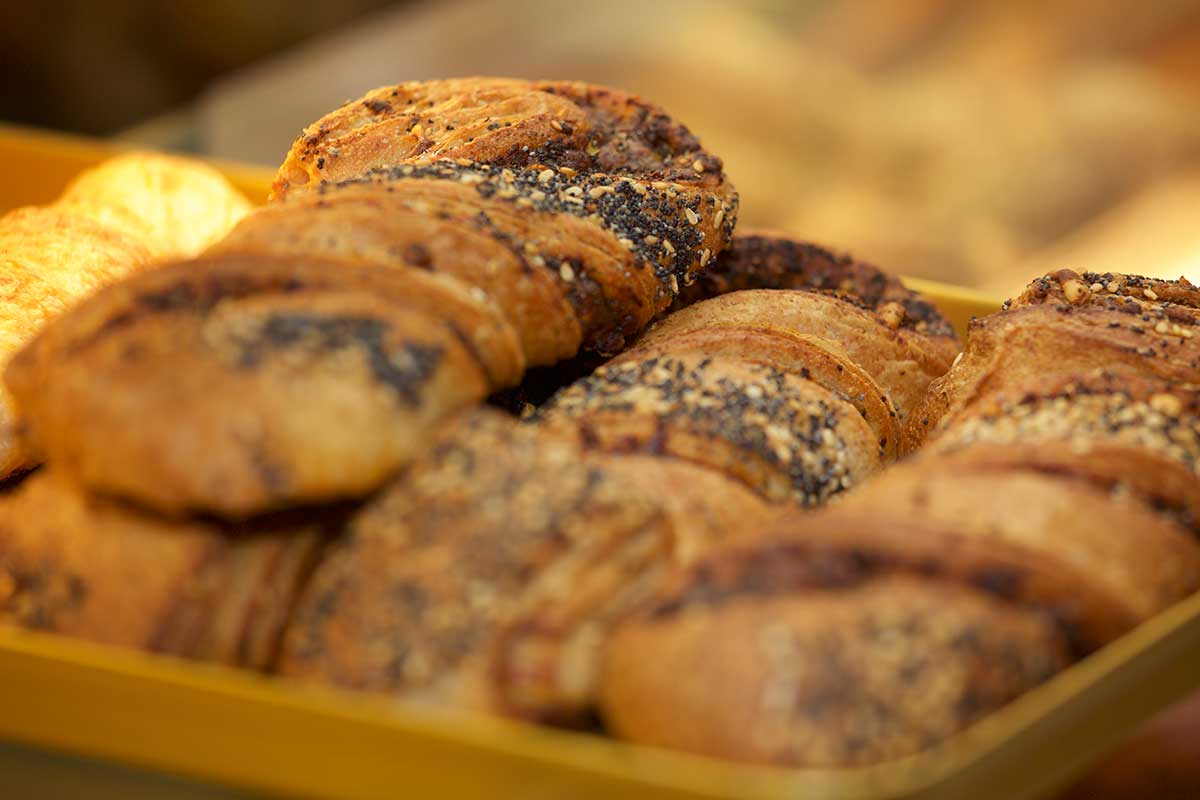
(236,384)
(428,243)
(484,577)
(599,194)
(798,392)
(112,220)
(1054,510)
(1067,323)
(100,570)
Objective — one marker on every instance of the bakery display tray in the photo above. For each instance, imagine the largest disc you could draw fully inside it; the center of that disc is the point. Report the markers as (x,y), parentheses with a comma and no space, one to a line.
(231,728)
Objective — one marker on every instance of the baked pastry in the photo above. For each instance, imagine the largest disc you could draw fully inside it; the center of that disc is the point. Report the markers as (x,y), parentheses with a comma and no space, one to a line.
(112,220)
(1113,429)
(826,645)
(484,577)
(591,195)
(1054,511)
(780,434)
(879,627)
(100,570)
(1062,324)
(427,244)
(234,384)
(798,392)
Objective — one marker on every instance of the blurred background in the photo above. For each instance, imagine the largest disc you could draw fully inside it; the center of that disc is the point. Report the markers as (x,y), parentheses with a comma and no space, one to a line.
(973,141)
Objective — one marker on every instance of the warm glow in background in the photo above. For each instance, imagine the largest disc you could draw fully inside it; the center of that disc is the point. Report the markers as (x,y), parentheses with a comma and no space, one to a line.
(978,142)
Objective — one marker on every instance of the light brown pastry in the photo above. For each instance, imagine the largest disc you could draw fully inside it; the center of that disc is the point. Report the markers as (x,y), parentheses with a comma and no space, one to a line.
(100,570)
(429,272)
(234,384)
(111,221)
(704,506)
(781,435)
(1145,561)
(1114,429)
(485,577)
(766,260)
(175,206)
(608,197)
(901,362)
(1062,326)
(840,641)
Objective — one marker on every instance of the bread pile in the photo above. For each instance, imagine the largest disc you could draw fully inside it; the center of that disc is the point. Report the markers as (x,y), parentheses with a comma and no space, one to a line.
(1051,509)
(272,454)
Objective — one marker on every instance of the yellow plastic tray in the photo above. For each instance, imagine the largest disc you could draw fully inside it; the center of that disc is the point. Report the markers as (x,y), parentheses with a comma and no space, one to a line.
(236,729)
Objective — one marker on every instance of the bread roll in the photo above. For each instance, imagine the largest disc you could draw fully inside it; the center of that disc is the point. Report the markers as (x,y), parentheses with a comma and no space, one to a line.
(111,221)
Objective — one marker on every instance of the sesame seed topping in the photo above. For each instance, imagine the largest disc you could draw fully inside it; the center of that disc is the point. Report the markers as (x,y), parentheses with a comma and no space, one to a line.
(692,217)
(545,175)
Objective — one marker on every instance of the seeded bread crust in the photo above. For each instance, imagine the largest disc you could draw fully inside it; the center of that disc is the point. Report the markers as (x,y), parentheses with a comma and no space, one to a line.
(617,204)
(833,649)
(781,435)
(901,364)
(483,578)
(764,260)
(1060,326)
(296,380)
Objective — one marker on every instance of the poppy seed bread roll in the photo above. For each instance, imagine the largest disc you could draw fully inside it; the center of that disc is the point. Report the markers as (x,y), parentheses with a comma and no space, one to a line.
(482,576)
(831,646)
(796,387)
(783,436)
(426,245)
(617,202)
(235,384)
(1061,326)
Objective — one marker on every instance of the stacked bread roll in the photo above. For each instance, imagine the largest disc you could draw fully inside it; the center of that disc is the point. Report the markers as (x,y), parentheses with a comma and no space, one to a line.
(786,368)
(1053,510)
(427,243)
(112,220)
(424,246)
(267,455)
(516,548)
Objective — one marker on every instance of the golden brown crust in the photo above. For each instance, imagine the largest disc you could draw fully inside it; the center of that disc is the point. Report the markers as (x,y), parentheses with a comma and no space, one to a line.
(845,676)
(1045,334)
(1145,561)
(100,570)
(297,380)
(822,361)
(112,220)
(783,436)
(635,205)
(705,508)
(762,260)
(174,206)
(398,225)
(1010,348)
(1104,289)
(483,577)
(900,362)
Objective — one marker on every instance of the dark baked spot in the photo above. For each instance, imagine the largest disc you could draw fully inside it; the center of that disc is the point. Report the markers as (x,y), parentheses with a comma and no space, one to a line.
(405,369)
